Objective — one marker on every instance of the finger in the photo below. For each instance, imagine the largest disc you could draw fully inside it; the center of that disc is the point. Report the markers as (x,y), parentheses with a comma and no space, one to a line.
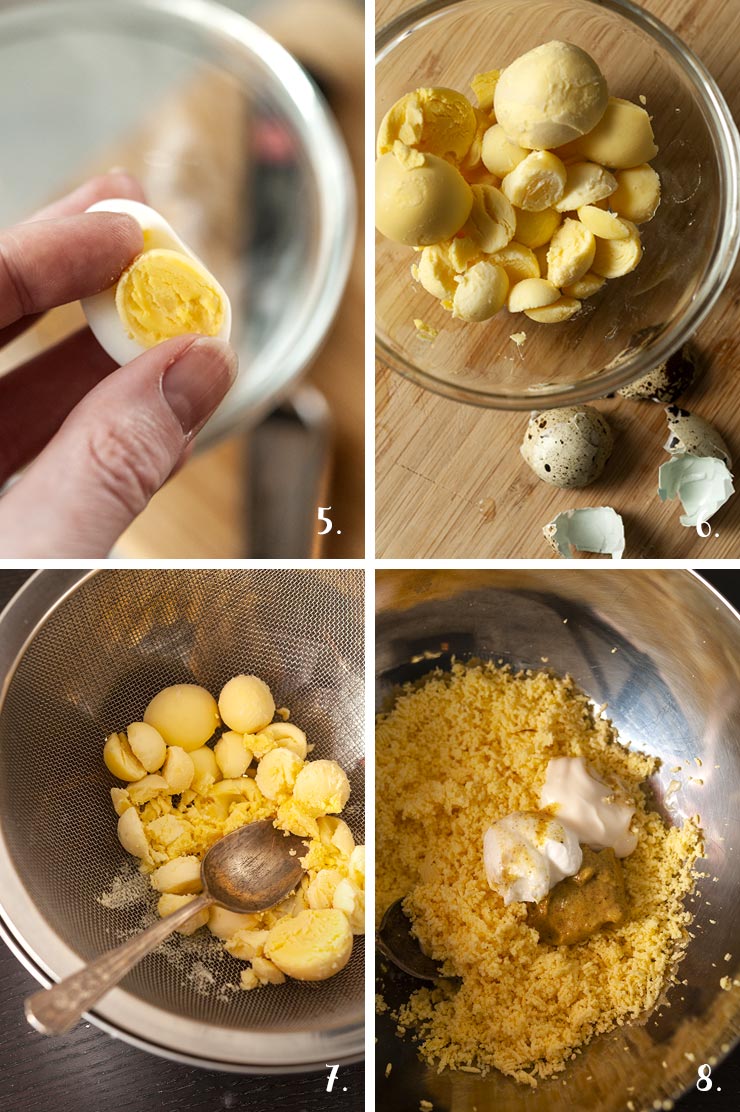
(116,183)
(51,262)
(115,450)
(36,397)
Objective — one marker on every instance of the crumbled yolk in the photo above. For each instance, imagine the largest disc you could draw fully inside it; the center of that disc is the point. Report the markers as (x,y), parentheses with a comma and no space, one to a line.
(164,294)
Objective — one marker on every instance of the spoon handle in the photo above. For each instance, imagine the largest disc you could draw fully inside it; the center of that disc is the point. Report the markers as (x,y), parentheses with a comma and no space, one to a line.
(56,1010)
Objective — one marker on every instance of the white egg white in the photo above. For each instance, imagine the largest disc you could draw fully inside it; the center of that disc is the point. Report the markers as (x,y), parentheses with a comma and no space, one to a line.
(100,310)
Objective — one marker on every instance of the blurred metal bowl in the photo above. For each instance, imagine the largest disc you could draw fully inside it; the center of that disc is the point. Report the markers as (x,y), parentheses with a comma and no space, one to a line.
(663,650)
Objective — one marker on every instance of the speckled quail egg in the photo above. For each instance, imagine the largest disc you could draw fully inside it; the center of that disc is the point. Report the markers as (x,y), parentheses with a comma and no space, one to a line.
(165,292)
(666,382)
(568,447)
(689,434)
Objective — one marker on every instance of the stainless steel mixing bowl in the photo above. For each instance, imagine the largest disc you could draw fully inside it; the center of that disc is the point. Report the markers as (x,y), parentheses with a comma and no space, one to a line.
(81,654)
(663,650)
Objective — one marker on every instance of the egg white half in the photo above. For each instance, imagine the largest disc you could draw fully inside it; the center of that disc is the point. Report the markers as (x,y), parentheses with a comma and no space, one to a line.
(100,310)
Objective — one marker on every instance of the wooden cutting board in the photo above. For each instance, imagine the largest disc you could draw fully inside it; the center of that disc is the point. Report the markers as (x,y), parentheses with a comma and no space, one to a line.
(450,481)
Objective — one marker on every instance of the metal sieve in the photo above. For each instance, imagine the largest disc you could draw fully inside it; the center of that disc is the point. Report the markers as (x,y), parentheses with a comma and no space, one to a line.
(81,654)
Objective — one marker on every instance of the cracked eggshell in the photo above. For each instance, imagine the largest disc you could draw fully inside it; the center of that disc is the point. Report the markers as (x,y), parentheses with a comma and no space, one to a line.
(703,485)
(568,447)
(587,530)
(689,434)
(666,382)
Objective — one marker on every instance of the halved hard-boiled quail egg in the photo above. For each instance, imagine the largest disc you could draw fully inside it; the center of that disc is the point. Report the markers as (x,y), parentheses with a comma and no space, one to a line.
(165,292)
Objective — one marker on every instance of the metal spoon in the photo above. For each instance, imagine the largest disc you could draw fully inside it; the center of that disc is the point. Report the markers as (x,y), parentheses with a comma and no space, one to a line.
(247,871)
(400,946)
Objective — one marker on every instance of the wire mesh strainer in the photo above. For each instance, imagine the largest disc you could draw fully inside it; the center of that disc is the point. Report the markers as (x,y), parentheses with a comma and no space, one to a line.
(81,654)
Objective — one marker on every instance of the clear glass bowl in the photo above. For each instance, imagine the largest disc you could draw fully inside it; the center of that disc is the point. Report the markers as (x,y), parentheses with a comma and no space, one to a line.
(231,139)
(690,247)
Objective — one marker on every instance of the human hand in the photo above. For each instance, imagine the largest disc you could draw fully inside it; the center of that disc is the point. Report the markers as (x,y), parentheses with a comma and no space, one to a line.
(103,440)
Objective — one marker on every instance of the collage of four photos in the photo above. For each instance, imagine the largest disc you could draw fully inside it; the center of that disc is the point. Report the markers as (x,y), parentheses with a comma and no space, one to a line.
(369,556)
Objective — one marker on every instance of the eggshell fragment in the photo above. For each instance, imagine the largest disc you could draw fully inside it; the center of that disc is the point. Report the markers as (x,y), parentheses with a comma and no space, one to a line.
(703,486)
(666,382)
(587,530)
(568,447)
(692,435)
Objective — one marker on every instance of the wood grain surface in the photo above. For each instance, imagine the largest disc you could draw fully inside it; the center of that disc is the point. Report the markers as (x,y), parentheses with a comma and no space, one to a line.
(88,1071)
(450,480)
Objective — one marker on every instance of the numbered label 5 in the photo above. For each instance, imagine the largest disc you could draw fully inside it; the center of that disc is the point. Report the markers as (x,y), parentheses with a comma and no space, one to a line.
(323,516)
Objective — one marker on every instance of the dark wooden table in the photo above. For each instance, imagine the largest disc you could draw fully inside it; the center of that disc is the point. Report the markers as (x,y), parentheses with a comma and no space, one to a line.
(87,1071)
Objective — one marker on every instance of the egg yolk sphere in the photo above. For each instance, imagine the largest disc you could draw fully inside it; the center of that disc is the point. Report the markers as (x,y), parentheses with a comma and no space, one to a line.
(165,294)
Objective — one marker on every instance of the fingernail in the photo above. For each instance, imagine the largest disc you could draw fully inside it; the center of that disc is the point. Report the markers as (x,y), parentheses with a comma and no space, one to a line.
(198,380)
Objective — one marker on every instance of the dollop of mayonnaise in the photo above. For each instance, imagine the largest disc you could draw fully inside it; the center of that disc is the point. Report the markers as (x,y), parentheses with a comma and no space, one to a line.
(599,817)
(527,853)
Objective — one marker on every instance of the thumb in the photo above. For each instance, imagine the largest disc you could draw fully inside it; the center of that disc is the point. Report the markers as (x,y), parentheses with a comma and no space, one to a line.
(115,450)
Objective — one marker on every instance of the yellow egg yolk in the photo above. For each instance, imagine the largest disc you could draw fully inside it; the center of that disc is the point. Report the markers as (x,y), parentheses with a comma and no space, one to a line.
(164,294)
